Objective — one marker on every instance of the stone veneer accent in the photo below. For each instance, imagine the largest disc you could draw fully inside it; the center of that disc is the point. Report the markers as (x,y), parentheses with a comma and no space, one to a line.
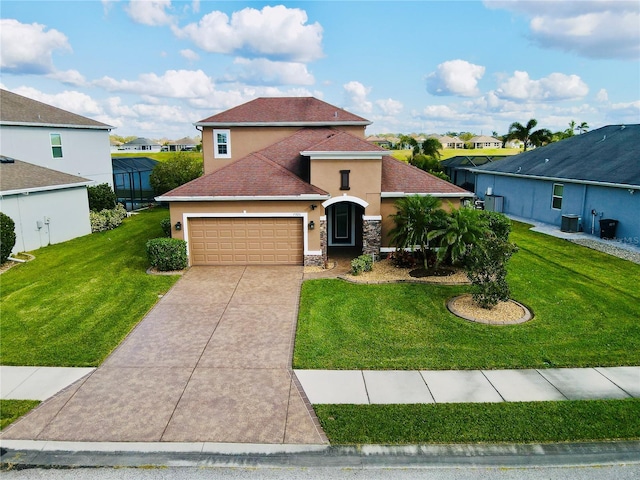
(371,238)
(313,261)
(324,241)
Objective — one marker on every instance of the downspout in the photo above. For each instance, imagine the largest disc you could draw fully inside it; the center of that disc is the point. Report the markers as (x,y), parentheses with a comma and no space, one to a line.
(584,198)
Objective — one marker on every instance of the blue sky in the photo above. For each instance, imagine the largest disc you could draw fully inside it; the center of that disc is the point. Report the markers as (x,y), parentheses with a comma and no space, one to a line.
(153,68)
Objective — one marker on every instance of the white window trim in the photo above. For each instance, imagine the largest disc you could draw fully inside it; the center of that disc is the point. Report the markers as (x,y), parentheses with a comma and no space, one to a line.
(215,143)
(554,196)
(51,145)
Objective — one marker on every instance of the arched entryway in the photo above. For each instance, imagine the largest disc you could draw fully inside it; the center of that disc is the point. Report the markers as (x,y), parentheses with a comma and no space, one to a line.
(343,232)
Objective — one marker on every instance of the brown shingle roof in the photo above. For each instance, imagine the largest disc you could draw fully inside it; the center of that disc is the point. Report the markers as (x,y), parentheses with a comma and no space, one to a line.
(398,176)
(16,109)
(27,176)
(344,142)
(252,176)
(285,110)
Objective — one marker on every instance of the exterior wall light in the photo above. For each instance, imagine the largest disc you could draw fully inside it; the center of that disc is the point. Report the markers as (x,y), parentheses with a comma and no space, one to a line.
(312,225)
(178,226)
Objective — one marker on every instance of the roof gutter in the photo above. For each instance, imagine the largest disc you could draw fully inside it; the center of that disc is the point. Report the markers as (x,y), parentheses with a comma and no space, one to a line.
(557,179)
(48,188)
(56,125)
(434,194)
(280,124)
(212,198)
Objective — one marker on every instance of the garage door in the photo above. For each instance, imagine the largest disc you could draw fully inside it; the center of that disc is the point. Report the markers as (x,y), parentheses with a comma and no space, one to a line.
(246,241)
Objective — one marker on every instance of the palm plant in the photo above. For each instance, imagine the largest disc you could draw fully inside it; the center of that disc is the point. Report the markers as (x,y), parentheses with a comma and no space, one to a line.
(525,135)
(583,127)
(417,216)
(465,228)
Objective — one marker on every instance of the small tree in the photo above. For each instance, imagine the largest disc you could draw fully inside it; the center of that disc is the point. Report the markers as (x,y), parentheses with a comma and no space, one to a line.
(7,236)
(486,267)
(177,170)
(417,216)
(101,197)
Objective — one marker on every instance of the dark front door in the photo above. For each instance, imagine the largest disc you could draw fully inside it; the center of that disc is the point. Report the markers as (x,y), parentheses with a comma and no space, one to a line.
(341,224)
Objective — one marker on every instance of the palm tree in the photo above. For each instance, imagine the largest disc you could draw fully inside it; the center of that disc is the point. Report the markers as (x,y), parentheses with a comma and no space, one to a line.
(583,127)
(417,216)
(465,228)
(431,147)
(526,136)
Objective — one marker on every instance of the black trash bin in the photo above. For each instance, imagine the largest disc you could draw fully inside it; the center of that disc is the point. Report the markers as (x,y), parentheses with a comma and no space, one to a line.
(608,228)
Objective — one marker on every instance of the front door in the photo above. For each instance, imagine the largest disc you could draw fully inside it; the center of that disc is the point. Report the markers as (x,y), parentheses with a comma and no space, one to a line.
(341,226)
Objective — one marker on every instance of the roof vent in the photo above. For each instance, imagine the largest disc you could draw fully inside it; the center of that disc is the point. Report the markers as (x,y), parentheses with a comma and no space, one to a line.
(4,159)
(546,160)
(622,127)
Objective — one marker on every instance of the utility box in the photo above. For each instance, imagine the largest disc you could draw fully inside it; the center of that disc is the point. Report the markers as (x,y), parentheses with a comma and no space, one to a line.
(570,223)
(493,203)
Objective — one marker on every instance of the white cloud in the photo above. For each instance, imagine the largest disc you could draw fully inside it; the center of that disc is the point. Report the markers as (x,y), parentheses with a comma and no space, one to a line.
(275,32)
(265,72)
(172,84)
(555,87)
(356,97)
(72,101)
(455,77)
(624,113)
(150,12)
(190,55)
(28,48)
(602,96)
(389,106)
(594,29)
(69,77)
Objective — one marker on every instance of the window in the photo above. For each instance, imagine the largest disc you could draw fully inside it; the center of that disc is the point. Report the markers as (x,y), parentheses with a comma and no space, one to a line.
(556,199)
(344,179)
(222,144)
(56,145)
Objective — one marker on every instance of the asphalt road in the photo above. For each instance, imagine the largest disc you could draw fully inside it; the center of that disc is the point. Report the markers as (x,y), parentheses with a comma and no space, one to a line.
(601,472)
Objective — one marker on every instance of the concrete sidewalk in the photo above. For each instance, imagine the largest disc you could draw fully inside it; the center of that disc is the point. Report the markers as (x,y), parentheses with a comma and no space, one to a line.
(468,386)
(37,383)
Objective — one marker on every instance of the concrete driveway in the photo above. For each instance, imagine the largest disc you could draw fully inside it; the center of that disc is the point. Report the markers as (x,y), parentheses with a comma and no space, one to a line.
(211,362)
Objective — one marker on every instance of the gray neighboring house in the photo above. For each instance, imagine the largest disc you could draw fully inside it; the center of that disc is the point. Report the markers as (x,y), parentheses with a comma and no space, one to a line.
(141,144)
(54,138)
(46,205)
(575,183)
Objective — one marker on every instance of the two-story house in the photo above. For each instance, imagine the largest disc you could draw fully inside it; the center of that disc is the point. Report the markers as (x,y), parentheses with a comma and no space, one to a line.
(54,138)
(288,179)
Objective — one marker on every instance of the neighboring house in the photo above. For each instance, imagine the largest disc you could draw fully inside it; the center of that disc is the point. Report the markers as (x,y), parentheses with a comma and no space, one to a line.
(458,168)
(288,179)
(514,143)
(141,144)
(46,205)
(379,141)
(579,180)
(447,142)
(131,180)
(482,141)
(38,133)
(184,144)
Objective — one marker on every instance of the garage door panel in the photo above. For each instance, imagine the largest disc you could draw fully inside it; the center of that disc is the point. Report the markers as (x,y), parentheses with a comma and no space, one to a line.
(246,241)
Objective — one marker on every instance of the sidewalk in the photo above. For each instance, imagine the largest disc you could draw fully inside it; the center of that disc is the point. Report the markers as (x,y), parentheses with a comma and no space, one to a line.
(468,386)
(393,386)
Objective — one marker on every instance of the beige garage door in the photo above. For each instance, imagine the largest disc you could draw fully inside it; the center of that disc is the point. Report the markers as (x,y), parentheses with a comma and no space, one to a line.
(246,241)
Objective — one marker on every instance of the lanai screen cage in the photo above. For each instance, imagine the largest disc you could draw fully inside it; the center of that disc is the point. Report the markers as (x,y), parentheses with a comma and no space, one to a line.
(131,181)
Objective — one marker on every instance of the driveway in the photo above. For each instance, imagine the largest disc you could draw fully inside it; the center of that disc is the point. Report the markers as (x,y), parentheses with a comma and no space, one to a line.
(211,362)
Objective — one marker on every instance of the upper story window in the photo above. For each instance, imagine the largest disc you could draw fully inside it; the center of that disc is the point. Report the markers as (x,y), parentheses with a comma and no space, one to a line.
(556,198)
(56,145)
(222,144)
(344,179)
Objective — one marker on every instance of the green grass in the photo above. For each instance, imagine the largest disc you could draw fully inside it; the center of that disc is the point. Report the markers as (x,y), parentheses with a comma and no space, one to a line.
(11,410)
(481,422)
(586,306)
(77,300)
(449,152)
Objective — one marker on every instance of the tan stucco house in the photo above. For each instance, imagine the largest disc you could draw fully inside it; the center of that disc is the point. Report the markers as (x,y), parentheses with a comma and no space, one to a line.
(288,179)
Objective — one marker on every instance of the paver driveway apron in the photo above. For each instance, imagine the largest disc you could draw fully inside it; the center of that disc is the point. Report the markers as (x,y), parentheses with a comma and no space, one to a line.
(210,363)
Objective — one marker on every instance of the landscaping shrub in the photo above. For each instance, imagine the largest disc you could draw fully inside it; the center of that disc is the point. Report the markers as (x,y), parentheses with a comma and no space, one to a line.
(165,223)
(7,236)
(363,263)
(101,197)
(403,259)
(167,254)
(498,223)
(178,170)
(486,267)
(107,219)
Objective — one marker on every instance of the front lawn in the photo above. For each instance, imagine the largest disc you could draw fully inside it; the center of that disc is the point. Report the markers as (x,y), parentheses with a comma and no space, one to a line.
(77,300)
(586,306)
(11,410)
(481,422)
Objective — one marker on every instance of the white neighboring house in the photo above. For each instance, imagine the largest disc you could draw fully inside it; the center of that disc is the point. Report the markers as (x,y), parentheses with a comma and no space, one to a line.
(48,136)
(141,144)
(46,205)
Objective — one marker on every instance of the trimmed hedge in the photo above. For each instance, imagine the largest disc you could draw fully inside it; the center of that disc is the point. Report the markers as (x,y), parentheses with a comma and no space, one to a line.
(107,219)
(167,254)
(101,197)
(7,236)
(165,223)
